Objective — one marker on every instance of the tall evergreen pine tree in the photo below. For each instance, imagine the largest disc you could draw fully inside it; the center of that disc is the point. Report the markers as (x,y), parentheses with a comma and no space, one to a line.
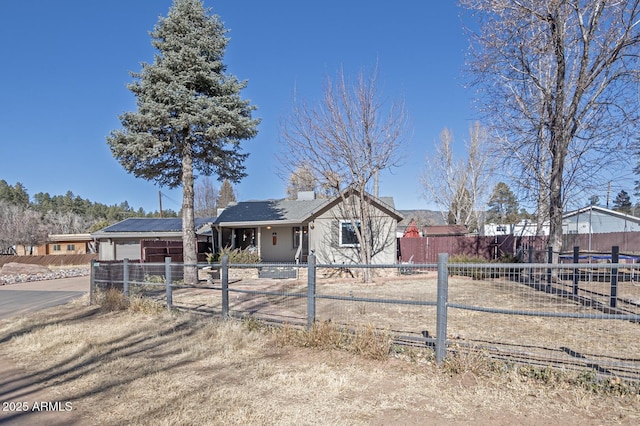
(190,116)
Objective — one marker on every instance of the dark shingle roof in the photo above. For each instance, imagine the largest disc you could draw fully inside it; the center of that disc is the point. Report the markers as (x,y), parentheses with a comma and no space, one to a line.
(270,211)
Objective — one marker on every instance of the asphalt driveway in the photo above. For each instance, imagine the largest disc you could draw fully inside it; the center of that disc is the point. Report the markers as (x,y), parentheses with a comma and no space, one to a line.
(23,298)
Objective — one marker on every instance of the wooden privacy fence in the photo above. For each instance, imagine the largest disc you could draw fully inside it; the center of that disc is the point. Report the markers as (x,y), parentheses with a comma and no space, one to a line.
(629,242)
(426,249)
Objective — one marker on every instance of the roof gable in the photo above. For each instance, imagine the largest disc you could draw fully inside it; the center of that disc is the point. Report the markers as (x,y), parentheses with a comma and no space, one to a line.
(385,204)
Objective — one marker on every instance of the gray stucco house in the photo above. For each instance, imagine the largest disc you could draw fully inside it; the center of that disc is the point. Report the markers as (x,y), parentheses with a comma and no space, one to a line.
(288,230)
(279,230)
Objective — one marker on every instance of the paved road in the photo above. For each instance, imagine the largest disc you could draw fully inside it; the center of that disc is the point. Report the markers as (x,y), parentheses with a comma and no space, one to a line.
(23,298)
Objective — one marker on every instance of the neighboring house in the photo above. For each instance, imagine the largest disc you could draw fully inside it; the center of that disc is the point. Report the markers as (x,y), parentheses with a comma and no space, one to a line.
(587,220)
(420,218)
(288,230)
(598,220)
(60,244)
(524,228)
(595,229)
(70,244)
(149,239)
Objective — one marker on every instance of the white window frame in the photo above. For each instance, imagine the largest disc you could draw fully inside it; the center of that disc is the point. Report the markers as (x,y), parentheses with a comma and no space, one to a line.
(342,225)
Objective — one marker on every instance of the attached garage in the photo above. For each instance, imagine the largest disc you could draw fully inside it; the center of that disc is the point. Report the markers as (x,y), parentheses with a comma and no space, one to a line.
(124,240)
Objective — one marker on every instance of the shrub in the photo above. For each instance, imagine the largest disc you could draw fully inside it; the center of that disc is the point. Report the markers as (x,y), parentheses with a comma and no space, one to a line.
(248,255)
(144,305)
(113,300)
(475,273)
(482,273)
(365,341)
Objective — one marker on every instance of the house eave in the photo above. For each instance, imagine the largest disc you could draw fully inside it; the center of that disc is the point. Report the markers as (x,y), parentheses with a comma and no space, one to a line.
(136,235)
(262,223)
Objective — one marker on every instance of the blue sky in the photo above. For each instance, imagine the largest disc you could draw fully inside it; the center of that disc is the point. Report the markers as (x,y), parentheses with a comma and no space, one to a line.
(66,63)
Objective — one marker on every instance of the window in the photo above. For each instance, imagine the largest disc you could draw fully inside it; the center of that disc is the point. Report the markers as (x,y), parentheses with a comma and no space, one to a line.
(56,247)
(71,247)
(348,236)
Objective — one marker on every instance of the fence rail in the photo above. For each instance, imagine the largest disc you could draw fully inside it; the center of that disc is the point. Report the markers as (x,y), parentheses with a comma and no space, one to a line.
(568,315)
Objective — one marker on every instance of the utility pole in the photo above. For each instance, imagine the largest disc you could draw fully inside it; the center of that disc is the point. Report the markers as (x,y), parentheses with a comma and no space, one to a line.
(608,191)
(160,201)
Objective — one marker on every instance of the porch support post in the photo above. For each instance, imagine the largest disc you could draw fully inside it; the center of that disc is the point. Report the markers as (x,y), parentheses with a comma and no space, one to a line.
(301,236)
(259,242)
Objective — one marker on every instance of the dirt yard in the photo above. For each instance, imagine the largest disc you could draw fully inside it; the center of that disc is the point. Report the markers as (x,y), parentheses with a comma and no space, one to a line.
(609,346)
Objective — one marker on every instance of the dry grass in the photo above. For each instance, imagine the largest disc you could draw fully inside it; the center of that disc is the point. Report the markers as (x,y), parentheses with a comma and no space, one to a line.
(612,345)
(365,341)
(171,368)
(114,300)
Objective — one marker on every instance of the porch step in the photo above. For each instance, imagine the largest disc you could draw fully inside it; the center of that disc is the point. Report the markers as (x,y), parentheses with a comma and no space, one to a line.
(278,272)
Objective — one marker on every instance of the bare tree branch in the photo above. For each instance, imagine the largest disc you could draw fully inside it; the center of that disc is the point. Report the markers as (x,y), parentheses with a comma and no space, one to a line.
(344,141)
(559,86)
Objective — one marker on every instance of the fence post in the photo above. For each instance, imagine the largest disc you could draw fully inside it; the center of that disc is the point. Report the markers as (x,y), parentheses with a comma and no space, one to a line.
(125,277)
(224,279)
(92,281)
(167,274)
(441,308)
(615,257)
(311,290)
(549,262)
(576,271)
(530,261)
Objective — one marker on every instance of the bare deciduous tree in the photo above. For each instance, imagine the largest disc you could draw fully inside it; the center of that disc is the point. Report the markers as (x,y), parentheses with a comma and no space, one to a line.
(458,186)
(346,140)
(67,223)
(205,197)
(301,179)
(20,226)
(559,80)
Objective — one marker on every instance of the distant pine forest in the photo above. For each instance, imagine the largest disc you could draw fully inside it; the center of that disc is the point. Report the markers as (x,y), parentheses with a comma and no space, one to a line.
(21,214)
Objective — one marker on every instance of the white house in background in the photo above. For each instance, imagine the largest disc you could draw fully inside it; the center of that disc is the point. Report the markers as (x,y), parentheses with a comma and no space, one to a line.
(598,220)
(524,228)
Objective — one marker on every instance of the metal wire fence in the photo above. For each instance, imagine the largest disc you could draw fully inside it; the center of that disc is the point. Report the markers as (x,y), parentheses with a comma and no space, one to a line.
(571,315)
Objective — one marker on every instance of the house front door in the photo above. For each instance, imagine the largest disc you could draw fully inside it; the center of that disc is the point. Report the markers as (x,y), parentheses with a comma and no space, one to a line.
(301,242)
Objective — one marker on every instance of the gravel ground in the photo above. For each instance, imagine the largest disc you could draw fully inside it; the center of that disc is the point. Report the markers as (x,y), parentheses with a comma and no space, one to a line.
(51,275)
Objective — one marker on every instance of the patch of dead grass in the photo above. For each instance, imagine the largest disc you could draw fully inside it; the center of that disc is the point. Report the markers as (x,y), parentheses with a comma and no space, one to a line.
(172,368)
(365,340)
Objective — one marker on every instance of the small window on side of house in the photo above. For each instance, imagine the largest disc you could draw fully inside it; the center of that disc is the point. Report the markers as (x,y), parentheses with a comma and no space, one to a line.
(348,237)
(71,247)
(56,247)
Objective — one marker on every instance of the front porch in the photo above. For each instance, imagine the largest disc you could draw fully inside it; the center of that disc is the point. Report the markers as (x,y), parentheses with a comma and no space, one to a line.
(286,244)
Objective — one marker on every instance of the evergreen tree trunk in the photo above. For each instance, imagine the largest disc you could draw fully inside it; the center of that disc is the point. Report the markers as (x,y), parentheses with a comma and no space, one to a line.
(189,245)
